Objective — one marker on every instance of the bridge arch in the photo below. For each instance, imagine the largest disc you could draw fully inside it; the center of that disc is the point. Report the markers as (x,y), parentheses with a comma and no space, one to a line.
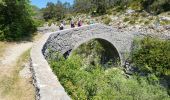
(68,40)
(110,52)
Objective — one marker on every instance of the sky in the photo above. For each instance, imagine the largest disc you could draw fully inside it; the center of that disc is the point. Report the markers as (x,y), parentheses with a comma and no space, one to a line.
(42,3)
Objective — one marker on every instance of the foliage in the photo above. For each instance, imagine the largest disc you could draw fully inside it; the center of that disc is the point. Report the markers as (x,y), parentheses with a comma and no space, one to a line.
(151,6)
(100,6)
(146,22)
(37,15)
(126,19)
(85,81)
(152,55)
(156,6)
(132,22)
(136,5)
(100,84)
(15,20)
(83,6)
(56,11)
(107,20)
(165,22)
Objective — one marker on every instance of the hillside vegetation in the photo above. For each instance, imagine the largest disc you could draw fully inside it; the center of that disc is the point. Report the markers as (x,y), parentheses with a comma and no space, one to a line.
(60,10)
(94,81)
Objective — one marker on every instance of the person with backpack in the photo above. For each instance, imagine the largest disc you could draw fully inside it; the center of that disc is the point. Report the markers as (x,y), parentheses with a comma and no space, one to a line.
(61,27)
(72,24)
(79,23)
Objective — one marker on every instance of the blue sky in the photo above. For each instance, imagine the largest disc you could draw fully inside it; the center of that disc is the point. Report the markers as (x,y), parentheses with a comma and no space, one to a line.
(42,3)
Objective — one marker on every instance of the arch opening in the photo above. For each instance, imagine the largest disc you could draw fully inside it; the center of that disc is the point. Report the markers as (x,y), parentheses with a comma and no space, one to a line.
(96,51)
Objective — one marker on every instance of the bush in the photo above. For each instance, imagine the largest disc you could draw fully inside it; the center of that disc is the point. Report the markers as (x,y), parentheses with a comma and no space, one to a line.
(107,20)
(101,8)
(109,12)
(152,55)
(136,5)
(132,22)
(93,82)
(156,6)
(165,22)
(147,22)
(126,19)
(99,84)
(39,22)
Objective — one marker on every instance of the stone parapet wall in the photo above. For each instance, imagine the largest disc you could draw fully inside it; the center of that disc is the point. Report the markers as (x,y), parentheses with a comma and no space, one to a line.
(46,83)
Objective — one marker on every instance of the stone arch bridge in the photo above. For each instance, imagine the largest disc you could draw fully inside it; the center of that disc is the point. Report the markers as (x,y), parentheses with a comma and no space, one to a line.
(46,83)
(68,40)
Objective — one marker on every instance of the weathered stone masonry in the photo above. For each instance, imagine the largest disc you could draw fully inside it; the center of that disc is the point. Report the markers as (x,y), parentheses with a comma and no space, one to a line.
(70,39)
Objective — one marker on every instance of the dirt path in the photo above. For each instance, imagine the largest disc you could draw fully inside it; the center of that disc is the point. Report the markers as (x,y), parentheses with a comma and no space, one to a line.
(12,84)
(12,53)
(15,78)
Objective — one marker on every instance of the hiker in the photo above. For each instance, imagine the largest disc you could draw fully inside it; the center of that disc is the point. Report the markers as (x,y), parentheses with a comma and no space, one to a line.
(91,22)
(79,23)
(64,22)
(61,27)
(72,24)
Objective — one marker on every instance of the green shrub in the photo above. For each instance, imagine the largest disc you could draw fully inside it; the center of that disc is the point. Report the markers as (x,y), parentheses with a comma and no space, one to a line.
(152,55)
(156,6)
(50,22)
(146,22)
(136,5)
(126,19)
(165,22)
(141,21)
(39,22)
(99,84)
(93,82)
(168,13)
(101,8)
(132,22)
(109,12)
(107,20)
(144,14)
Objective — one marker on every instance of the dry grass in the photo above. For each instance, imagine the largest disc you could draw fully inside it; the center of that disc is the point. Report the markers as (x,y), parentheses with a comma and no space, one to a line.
(3,46)
(13,87)
(37,36)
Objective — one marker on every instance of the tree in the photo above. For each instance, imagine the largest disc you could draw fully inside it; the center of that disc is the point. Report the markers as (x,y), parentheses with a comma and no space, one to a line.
(15,20)
(49,11)
(56,11)
(83,5)
(101,7)
(156,6)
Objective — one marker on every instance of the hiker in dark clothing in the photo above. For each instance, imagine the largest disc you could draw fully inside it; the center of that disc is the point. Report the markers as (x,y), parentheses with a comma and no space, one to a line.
(72,24)
(79,23)
(61,27)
